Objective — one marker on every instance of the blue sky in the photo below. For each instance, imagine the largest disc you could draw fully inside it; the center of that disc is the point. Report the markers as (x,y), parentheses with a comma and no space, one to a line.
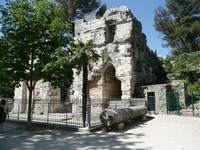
(144,11)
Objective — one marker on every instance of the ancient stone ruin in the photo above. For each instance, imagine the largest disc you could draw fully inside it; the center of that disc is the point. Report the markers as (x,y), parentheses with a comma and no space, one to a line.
(126,62)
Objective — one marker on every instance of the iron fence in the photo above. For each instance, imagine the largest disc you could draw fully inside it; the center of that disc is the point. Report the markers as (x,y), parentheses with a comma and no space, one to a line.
(67,113)
(191,107)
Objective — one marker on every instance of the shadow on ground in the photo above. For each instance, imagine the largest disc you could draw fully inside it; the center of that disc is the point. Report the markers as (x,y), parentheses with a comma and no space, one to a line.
(136,123)
(16,137)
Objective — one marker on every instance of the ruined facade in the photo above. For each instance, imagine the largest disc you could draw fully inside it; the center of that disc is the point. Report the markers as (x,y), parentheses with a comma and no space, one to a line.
(126,61)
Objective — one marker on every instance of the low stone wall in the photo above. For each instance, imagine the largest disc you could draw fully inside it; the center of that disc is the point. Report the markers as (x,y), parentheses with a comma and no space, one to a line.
(113,104)
(189,112)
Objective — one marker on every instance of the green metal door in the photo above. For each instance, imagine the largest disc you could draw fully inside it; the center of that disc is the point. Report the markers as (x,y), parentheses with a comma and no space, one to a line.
(151,101)
(172,102)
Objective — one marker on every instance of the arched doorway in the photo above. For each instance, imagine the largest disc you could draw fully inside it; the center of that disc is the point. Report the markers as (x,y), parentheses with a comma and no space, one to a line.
(111,85)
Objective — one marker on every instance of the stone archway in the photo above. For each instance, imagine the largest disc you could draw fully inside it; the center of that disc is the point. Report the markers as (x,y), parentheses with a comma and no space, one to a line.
(111,85)
(105,86)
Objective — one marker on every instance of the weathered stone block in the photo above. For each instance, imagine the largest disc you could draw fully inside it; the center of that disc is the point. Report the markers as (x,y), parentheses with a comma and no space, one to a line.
(123,32)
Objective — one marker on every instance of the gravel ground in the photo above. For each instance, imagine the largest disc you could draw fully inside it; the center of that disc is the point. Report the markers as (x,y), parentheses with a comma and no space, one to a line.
(158,132)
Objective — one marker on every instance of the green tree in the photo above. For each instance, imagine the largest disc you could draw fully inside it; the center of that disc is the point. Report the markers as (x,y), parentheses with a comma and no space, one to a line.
(84,55)
(34,41)
(77,9)
(179,25)
(6,84)
(185,67)
(105,56)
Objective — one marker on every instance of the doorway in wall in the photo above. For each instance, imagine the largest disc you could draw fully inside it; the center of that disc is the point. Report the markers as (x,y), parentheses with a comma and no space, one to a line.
(172,102)
(151,101)
(111,85)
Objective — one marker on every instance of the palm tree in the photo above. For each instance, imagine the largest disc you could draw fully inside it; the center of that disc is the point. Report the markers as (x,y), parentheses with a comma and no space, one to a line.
(84,54)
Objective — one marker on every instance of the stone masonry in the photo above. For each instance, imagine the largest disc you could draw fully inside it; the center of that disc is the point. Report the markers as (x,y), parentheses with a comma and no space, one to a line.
(126,60)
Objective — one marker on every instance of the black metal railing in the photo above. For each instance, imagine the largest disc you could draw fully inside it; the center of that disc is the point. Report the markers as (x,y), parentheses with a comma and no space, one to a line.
(67,113)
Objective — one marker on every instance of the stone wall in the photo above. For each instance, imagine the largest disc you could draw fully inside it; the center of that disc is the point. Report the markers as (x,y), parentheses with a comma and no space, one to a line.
(160,91)
(180,87)
(119,34)
(42,95)
(20,99)
(130,63)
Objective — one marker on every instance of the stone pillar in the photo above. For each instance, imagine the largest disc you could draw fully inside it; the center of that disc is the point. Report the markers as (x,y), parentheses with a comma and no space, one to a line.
(76,87)
(45,96)
(123,73)
(126,87)
(20,99)
(180,86)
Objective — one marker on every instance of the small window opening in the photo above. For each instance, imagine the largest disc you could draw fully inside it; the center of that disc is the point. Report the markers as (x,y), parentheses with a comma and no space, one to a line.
(110,33)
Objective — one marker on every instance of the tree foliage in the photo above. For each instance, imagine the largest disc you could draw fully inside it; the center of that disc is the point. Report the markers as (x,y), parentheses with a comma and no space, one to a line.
(84,53)
(179,24)
(77,9)
(34,42)
(34,34)
(185,67)
(6,84)
(105,57)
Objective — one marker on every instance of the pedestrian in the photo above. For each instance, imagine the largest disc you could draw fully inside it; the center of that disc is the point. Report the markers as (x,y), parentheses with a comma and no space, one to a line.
(3,114)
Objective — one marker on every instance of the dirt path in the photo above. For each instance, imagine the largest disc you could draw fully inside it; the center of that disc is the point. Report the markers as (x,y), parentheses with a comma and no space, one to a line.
(167,133)
(160,132)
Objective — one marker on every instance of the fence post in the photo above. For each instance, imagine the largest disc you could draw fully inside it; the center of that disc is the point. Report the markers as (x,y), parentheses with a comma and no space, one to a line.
(177,103)
(89,113)
(192,97)
(47,112)
(66,117)
(18,112)
(167,103)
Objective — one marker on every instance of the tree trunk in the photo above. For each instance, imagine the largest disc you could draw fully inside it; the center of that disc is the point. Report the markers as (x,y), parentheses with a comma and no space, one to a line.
(110,117)
(29,105)
(30,88)
(84,94)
